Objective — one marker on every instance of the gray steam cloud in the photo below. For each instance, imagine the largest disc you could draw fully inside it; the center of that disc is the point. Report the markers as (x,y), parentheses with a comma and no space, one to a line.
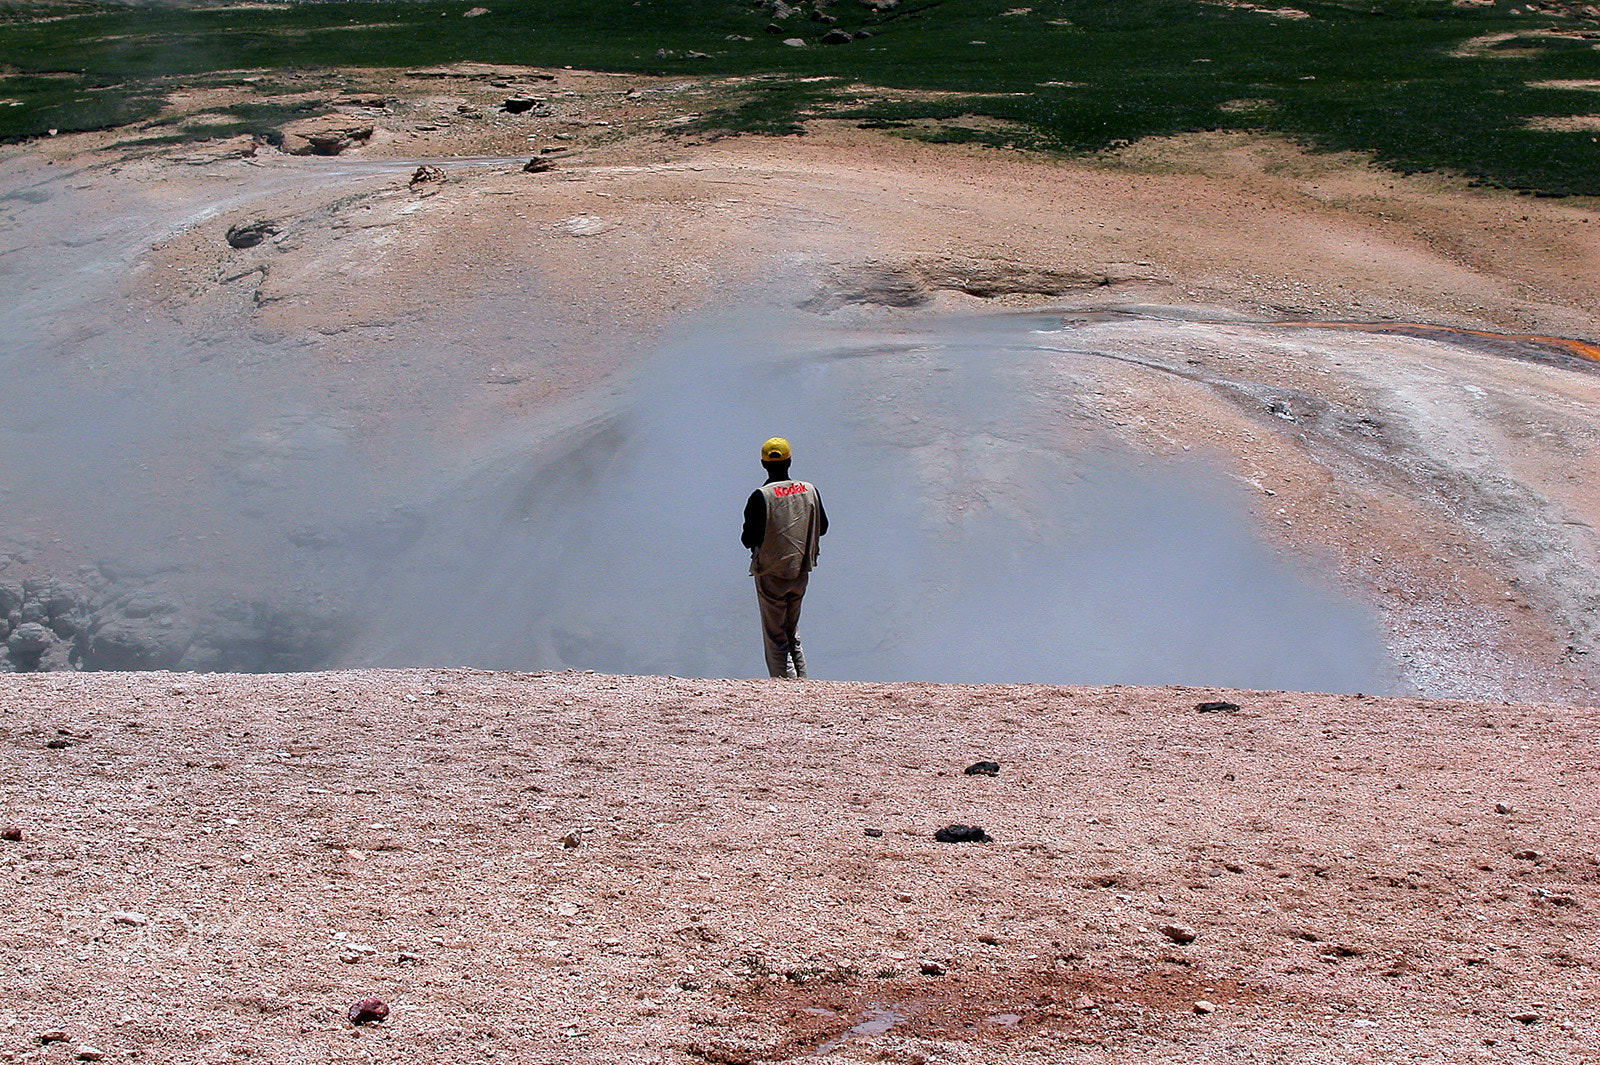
(240,498)
(963,548)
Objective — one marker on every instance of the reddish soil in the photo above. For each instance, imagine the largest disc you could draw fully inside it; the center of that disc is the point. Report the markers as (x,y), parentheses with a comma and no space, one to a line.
(214,867)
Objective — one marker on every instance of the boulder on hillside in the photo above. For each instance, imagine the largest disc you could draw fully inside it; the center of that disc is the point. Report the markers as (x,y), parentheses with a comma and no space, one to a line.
(136,643)
(30,638)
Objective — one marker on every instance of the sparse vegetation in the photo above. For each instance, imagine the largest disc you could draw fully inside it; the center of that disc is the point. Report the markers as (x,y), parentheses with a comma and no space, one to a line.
(1421,84)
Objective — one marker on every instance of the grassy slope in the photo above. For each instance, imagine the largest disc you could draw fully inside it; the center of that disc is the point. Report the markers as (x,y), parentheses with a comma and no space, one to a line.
(1377,76)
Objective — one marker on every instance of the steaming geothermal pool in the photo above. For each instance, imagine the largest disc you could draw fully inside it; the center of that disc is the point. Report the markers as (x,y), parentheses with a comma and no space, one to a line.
(969,541)
(202,495)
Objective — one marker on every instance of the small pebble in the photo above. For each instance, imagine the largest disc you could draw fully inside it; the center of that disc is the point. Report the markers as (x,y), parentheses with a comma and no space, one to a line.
(983,769)
(368,1010)
(1203,1007)
(902,896)
(932,968)
(1217,707)
(1527,855)
(54,1036)
(1178,933)
(89,1053)
(11,833)
(875,833)
(1504,808)
(571,839)
(1527,1017)
(1083,1002)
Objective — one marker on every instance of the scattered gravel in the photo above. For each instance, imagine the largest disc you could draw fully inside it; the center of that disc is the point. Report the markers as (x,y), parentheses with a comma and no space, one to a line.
(716,911)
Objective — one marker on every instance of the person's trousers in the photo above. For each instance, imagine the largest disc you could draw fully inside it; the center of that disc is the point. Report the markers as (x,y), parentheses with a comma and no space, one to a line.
(779,598)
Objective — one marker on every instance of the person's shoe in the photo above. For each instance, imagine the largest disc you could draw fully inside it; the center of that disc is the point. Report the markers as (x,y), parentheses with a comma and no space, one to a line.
(799,658)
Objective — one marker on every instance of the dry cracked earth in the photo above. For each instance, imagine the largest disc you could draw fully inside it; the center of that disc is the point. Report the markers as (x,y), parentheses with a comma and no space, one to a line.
(563,865)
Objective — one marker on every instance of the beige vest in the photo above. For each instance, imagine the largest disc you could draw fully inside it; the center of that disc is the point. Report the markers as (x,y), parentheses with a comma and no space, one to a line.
(793,530)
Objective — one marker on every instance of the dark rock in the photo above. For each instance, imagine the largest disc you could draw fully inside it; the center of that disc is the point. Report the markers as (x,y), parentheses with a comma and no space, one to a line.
(774,29)
(30,638)
(59,744)
(249,234)
(962,834)
(826,20)
(368,1011)
(135,643)
(537,166)
(862,35)
(875,833)
(1179,933)
(426,174)
(516,105)
(983,769)
(336,141)
(57,597)
(1217,707)
(11,834)
(10,599)
(837,36)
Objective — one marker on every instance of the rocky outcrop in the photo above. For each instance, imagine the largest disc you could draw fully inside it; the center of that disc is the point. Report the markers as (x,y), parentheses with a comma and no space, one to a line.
(155,622)
(321,137)
(915,283)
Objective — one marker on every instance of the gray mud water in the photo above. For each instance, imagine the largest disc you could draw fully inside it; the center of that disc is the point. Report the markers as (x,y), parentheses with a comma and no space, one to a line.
(198,495)
(964,546)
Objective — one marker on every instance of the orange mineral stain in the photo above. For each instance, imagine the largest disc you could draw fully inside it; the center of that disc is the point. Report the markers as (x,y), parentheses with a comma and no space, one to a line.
(1581,348)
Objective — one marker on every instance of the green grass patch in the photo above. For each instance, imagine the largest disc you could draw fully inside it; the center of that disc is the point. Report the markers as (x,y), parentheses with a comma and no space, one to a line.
(1399,79)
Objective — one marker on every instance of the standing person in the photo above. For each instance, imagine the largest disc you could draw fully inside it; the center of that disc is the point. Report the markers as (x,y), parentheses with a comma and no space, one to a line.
(783,521)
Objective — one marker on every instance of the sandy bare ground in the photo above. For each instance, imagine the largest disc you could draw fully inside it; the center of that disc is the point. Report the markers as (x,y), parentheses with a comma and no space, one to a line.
(213,867)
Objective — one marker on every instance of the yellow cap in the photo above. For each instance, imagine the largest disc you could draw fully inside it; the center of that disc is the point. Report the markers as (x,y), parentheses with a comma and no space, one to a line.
(775,450)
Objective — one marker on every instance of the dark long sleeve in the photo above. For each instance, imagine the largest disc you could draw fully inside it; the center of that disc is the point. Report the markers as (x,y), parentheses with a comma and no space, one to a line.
(822,517)
(755,521)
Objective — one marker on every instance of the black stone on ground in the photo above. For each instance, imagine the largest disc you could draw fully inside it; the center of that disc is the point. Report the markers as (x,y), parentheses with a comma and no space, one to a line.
(962,834)
(251,234)
(1217,707)
(983,769)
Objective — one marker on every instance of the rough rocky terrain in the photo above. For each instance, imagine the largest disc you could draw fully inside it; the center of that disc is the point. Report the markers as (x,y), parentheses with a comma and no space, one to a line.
(577,867)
